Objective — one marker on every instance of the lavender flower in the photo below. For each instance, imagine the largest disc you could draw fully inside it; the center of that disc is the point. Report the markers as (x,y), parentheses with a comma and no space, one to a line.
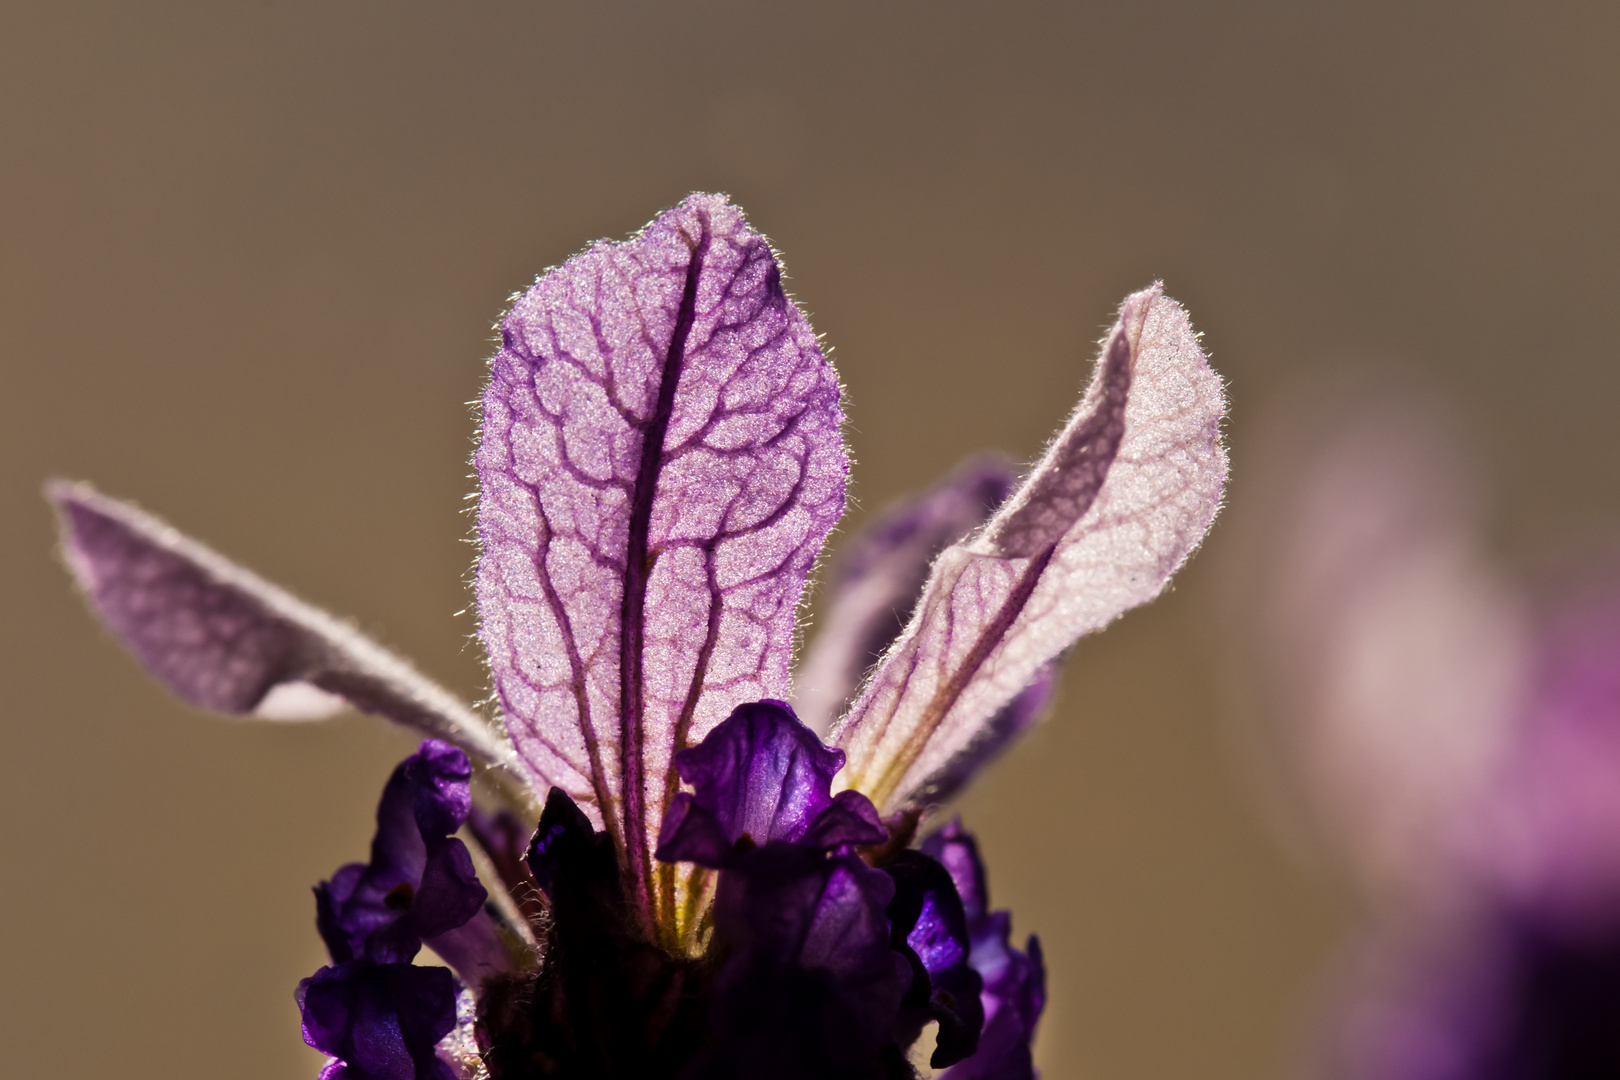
(1457,742)
(690,881)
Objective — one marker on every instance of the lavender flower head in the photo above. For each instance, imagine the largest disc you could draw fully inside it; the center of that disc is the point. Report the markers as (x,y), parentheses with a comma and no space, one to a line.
(666,872)
(1455,740)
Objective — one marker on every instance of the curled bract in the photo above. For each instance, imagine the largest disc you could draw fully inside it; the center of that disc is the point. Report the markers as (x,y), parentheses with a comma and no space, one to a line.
(222,638)
(1122,496)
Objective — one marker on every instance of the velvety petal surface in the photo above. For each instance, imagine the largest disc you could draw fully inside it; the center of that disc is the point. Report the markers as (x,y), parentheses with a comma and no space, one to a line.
(849,821)
(223,639)
(811,982)
(929,926)
(1123,495)
(1013,998)
(761,773)
(761,777)
(660,461)
(1014,981)
(877,577)
(381,1021)
(420,884)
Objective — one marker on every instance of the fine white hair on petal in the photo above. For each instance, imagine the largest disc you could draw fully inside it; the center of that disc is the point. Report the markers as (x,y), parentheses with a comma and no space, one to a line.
(661,457)
(1122,496)
(224,639)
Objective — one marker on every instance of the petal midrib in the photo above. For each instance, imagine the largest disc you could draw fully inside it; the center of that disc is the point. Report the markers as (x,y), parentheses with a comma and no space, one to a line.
(637,573)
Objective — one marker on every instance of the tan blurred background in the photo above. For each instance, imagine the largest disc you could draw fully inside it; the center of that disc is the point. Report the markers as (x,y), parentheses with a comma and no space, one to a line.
(252,254)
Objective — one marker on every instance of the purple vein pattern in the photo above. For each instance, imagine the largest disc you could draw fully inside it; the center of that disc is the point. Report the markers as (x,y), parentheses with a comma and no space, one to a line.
(1120,499)
(221,638)
(660,461)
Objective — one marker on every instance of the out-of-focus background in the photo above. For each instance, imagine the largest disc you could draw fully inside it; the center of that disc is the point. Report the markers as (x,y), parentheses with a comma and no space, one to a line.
(251,257)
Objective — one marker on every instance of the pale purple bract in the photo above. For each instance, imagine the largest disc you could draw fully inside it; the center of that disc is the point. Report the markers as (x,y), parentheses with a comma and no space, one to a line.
(661,458)
(222,638)
(1122,497)
(877,577)
(660,461)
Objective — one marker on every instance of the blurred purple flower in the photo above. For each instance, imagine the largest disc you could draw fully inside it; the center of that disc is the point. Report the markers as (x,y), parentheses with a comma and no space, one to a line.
(660,461)
(1458,744)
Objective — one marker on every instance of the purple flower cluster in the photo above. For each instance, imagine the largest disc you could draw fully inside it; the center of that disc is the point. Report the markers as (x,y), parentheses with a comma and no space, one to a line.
(374,1011)
(671,875)
(820,962)
(1455,739)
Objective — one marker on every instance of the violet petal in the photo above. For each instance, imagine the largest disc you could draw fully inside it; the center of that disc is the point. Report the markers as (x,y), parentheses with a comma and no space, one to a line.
(761,776)
(1014,996)
(849,820)
(660,461)
(1014,982)
(810,971)
(690,833)
(928,923)
(877,577)
(420,882)
(761,773)
(1121,498)
(223,639)
(381,1021)
(956,849)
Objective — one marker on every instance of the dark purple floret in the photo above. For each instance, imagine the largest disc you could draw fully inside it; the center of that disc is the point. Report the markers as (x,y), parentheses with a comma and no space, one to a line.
(374,1011)
(1014,982)
(761,773)
(795,910)
(420,883)
(380,1021)
(565,838)
(761,777)
(810,986)
(865,957)
(928,927)
(817,964)
(605,1003)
